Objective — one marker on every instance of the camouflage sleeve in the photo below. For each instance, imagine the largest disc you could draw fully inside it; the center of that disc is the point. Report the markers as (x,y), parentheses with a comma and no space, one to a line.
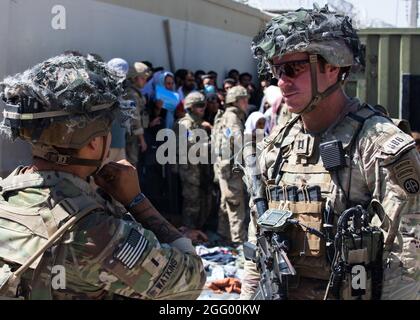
(121,257)
(136,122)
(234,132)
(186,131)
(392,171)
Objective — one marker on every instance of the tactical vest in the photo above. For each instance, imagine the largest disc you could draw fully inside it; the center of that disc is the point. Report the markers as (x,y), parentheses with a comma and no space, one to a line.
(26,230)
(300,183)
(189,122)
(225,138)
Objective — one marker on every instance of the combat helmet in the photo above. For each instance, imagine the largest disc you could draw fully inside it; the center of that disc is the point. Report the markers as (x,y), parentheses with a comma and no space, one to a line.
(61,104)
(235,93)
(139,69)
(317,32)
(194,98)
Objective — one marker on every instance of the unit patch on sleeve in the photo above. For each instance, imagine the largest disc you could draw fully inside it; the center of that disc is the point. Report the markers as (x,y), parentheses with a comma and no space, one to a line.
(407,176)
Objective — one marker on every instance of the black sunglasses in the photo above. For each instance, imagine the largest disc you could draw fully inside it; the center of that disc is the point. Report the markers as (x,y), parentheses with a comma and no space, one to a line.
(199,105)
(290,68)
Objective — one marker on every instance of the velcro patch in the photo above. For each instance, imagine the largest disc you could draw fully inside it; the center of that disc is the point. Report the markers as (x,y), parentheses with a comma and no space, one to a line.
(396,143)
(154,261)
(164,278)
(407,176)
(132,249)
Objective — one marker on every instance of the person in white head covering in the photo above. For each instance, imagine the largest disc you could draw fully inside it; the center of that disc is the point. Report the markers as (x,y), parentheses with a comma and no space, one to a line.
(256,121)
(118,142)
(119,65)
(274,98)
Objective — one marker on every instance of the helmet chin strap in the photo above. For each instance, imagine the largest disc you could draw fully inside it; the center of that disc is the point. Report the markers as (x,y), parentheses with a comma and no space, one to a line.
(317,97)
(101,160)
(52,155)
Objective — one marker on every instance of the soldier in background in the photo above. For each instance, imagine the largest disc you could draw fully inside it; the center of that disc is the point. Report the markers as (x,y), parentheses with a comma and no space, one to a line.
(110,243)
(195,207)
(227,141)
(137,79)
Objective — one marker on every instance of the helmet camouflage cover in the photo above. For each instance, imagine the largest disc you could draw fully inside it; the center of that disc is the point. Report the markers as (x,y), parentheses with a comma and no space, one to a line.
(316,31)
(235,93)
(194,98)
(62,102)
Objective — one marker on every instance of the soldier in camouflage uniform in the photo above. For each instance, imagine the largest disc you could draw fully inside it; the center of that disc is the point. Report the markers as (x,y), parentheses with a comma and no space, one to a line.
(109,243)
(137,78)
(194,188)
(311,53)
(227,140)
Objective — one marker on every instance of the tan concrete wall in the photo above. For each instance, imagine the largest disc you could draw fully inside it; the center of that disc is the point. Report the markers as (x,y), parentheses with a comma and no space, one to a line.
(221,14)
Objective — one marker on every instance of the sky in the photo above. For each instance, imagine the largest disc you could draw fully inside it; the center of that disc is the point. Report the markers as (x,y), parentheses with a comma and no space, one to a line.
(390,11)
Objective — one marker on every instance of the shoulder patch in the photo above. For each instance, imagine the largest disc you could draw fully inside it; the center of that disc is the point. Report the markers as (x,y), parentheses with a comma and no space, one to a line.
(396,143)
(407,176)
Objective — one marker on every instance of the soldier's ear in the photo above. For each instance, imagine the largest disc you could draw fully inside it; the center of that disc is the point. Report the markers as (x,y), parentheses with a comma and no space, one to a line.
(94,145)
(332,71)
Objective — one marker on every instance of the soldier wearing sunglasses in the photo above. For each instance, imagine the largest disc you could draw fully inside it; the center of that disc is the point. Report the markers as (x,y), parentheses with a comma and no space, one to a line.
(194,213)
(335,153)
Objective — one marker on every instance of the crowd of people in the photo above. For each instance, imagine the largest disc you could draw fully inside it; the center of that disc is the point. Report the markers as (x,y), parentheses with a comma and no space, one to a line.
(198,197)
(203,196)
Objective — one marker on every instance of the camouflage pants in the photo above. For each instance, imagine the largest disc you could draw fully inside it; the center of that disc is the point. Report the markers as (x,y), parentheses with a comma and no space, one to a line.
(132,149)
(232,206)
(194,208)
(251,276)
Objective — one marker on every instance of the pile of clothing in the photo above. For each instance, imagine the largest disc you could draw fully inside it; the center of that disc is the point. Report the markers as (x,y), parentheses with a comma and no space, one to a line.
(224,268)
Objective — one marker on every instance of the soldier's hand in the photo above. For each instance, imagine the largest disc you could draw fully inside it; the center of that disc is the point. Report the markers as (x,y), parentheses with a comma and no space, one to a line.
(195,235)
(206,125)
(142,144)
(155,122)
(159,104)
(119,180)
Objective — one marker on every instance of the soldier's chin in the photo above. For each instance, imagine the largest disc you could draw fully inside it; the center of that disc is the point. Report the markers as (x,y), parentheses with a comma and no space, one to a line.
(294,108)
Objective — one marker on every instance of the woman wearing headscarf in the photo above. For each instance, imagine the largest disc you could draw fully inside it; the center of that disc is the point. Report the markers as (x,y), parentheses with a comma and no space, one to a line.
(275,115)
(256,121)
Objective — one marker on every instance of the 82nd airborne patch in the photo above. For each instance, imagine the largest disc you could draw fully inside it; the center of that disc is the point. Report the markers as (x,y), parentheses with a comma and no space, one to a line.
(407,176)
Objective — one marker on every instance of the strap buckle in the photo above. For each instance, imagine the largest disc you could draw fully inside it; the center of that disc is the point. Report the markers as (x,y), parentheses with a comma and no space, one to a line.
(58,158)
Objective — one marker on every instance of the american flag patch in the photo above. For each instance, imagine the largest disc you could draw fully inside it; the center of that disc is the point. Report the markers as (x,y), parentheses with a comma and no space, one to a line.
(132,249)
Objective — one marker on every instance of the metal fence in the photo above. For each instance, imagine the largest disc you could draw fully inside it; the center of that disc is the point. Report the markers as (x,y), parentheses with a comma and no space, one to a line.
(391,76)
